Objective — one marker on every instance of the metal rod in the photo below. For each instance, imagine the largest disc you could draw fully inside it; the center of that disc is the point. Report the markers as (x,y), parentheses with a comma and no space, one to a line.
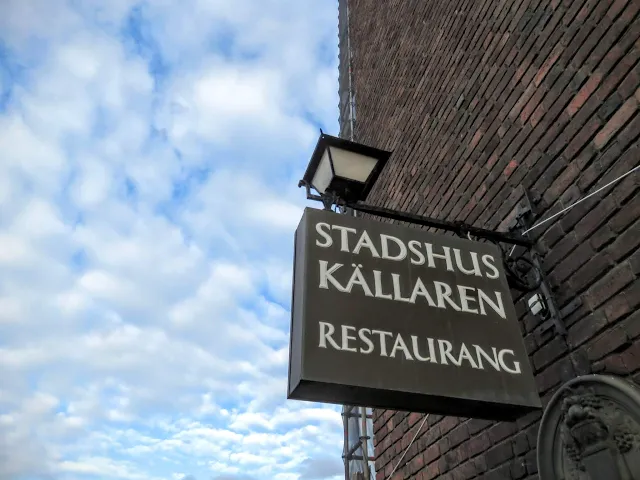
(345,421)
(355,415)
(457,227)
(359,457)
(554,312)
(365,446)
(333,168)
(351,451)
(349,69)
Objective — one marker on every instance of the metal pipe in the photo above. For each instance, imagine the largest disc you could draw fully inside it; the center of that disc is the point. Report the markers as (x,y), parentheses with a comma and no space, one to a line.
(457,227)
(364,441)
(352,450)
(345,420)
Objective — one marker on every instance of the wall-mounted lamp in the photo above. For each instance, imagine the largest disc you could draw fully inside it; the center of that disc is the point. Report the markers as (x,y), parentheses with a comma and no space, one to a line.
(343,170)
(343,173)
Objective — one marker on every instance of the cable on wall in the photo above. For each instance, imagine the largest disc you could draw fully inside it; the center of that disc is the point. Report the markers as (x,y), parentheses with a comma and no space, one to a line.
(408,447)
(566,209)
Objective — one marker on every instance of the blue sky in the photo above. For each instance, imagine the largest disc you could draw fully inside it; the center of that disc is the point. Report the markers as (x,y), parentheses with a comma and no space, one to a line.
(150,153)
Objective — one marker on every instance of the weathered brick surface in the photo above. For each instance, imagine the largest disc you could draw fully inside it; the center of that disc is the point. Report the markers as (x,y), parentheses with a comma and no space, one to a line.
(480,101)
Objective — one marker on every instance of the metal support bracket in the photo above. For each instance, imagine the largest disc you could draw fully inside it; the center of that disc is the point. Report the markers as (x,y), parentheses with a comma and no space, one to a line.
(525,219)
(353,449)
(524,269)
(460,228)
(355,415)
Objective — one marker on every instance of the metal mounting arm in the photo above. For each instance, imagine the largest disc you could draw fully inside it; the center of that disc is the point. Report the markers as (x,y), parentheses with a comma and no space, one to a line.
(524,271)
(459,228)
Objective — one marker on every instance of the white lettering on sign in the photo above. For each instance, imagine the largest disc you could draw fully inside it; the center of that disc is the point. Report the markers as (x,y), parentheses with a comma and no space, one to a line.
(411,348)
(392,248)
(352,278)
(436,294)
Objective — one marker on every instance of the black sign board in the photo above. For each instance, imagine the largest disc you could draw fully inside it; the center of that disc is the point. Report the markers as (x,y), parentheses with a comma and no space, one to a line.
(395,317)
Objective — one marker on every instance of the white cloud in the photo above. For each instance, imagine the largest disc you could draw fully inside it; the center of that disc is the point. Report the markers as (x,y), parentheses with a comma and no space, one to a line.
(225,104)
(150,156)
(101,467)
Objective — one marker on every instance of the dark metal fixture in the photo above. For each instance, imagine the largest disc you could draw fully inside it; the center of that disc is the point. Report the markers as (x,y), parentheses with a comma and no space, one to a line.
(343,172)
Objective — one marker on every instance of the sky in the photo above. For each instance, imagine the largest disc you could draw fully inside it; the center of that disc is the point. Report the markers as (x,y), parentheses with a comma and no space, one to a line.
(149,158)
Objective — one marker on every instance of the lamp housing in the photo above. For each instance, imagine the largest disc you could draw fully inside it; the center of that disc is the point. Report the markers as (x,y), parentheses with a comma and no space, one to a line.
(343,168)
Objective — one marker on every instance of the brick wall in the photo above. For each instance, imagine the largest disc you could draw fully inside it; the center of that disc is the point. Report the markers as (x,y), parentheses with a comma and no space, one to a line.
(480,99)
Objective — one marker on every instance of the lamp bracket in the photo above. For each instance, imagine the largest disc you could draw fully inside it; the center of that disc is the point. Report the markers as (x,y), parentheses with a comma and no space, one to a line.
(460,228)
(513,261)
(327,200)
(522,262)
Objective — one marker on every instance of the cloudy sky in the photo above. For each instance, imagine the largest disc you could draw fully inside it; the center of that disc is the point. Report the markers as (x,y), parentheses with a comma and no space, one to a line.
(149,159)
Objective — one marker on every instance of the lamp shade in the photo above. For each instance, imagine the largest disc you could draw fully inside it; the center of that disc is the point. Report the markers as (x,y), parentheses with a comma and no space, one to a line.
(344,168)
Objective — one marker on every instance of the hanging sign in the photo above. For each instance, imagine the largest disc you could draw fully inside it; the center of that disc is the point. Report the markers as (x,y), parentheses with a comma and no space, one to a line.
(394,317)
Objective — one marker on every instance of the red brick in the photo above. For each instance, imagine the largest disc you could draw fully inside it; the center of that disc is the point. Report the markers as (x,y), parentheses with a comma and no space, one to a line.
(561,183)
(586,328)
(521,444)
(612,283)
(476,139)
(595,266)
(431,453)
(560,251)
(582,137)
(602,236)
(606,343)
(626,243)
(572,262)
(616,122)
(478,444)
(477,425)
(499,454)
(431,471)
(416,464)
(549,352)
(415,418)
(585,92)
(554,374)
(625,190)
(518,468)
(458,435)
(625,362)
(465,471)
(632,323)
(447,424)
(616,8)
(596,217)
(546,66)
(627,214)
(619,306)
(510,168)
(537,115)
(581,363)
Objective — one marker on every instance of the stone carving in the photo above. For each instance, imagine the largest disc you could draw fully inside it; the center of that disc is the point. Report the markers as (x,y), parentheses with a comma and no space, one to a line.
(591,430)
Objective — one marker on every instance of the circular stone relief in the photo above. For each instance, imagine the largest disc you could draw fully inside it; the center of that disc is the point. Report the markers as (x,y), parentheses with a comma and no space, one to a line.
(591,430)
